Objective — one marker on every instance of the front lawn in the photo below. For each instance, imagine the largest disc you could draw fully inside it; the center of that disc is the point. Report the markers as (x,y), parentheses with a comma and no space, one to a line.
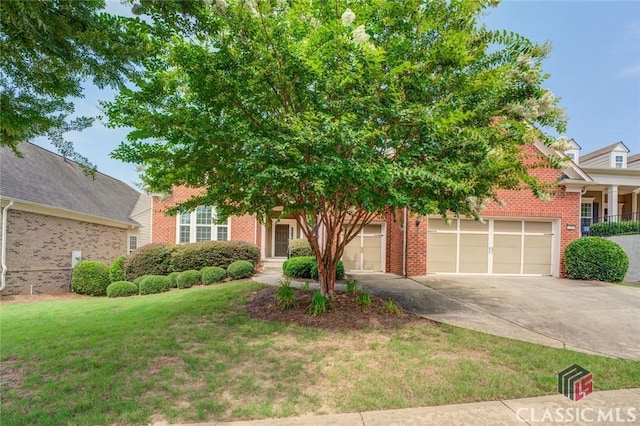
(195,355)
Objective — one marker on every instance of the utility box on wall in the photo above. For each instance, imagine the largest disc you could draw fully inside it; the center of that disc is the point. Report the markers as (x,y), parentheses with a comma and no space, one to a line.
(76,256)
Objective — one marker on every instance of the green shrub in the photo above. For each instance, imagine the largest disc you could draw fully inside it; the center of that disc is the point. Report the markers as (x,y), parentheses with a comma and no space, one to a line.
(318,304)
(152,259)
(139,279)
(116,270)
(300,248)
(154,284)
(595,258)
(299,267)
(363,299)
(339,271)
(392,308)
(188,278)
(608,229)
(91,278)
(240,269)
(213,253)
(173,279)
(212,274)
(122,289)
(352,286)
(286,295)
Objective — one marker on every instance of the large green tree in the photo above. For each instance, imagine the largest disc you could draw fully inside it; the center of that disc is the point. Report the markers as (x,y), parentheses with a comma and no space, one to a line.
(48,49)
(336,111)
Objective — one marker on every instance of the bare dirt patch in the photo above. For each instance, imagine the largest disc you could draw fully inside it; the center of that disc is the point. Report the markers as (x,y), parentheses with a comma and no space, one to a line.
(21,298)
(342,312)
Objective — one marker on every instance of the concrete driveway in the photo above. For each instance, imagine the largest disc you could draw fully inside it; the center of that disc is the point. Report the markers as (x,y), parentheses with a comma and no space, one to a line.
(585,316)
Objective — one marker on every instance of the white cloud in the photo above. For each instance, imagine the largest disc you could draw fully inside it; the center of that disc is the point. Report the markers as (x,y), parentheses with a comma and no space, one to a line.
(630,71)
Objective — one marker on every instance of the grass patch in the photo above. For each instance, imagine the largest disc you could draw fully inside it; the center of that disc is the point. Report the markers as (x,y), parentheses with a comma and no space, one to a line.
(195,355)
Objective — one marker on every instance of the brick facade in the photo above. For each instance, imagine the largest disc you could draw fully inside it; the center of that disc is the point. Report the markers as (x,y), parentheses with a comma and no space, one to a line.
(39,250)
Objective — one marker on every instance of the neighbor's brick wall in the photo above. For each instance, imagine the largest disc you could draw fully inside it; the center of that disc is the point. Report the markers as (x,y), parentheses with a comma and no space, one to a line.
(394,242)
(39,250)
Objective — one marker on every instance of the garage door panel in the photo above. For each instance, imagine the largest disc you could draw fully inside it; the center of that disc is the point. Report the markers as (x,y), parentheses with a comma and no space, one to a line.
(537,254)
(474,252)
(372,253)
(364,252)
(442,252)
(351,255)
(507,257)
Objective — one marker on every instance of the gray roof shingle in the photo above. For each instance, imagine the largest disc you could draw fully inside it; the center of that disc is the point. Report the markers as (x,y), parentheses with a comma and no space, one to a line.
(46,178)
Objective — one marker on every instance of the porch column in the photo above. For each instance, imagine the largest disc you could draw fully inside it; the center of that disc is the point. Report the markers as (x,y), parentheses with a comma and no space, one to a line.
(613,201)
(634,204)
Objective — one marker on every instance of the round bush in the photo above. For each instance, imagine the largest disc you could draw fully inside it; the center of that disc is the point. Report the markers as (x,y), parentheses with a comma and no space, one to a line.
(173,279)
(339,271)
(116,270)
(299,267)
(138,280)
(300,248)
(188,278)
(595,258)
(240,269)
(91,278)
(154,284)
(122,289)
(212,274)
(152,259)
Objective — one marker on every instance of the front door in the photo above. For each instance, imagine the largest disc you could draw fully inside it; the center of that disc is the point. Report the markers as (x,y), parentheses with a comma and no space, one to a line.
(282,240)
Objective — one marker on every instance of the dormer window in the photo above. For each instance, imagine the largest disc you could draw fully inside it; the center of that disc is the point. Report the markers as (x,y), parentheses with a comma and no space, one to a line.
(571,156)
(619,162)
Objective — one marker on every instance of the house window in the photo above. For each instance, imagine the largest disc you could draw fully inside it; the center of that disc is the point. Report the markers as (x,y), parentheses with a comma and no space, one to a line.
(619,163)
(133,242)
(571,155)
(200,225)
(586,217)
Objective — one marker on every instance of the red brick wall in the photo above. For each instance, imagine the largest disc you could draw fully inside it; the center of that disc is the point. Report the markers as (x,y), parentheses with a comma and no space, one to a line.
(243,228)
(394,242)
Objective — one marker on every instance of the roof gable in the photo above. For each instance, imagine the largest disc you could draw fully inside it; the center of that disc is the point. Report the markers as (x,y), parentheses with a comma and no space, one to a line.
(46,178)
(617,146)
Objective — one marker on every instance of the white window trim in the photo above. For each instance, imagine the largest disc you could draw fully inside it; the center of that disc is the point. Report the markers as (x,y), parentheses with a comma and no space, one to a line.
(615,154)
(129,249)
(192,228)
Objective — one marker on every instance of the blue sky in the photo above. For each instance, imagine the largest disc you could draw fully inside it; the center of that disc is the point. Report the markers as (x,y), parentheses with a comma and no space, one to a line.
(594,67)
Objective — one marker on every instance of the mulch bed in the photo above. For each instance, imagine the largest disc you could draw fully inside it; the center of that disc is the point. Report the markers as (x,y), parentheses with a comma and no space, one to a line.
(342,312)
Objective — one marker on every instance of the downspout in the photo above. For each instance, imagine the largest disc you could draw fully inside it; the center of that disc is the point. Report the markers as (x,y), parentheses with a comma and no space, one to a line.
(404,242)
(3,282)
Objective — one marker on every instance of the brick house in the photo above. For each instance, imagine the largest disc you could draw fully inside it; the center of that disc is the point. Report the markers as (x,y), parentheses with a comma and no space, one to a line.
(53,213)
(521,236)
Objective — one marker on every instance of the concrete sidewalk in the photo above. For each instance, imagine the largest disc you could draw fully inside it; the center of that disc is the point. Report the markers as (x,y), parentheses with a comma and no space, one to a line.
(599,408)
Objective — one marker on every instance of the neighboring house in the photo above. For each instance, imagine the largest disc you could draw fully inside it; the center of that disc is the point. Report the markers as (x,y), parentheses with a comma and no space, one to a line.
(54,214)
(521,236)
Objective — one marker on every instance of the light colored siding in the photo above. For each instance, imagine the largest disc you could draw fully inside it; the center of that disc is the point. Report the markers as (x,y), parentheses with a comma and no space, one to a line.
(142,214)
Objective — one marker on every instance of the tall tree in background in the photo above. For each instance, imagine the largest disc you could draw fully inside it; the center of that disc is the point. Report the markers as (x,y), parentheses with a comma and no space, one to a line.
(48,49)
(335,111)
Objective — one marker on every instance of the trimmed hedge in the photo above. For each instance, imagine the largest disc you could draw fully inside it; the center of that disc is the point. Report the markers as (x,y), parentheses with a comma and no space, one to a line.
(595,258)
(240,269)
(189,278)
(306,267)
(116,270)
(173,279)
(122,289)
(91,278)
(152,259)
(154,284)
(213,253)
(608,229)
(299,267)
(212,274)
(139,279)
(300,248)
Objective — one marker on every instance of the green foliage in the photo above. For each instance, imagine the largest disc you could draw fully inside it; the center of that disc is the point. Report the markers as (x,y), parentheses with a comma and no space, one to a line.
(240,269)
(352,286)
(138,280)
(173,279)
(91,278)
(305,286)
(122,289)
(339,271)
(298,267)
(608,229)
(51,50)
(286,295)
(189,278)
(595,258)
(212,274)
(152,259)
(363,299)
(116,270)
(409,104)
(300,248)
(318,304)
(213,253)
(154,284)
(392,308)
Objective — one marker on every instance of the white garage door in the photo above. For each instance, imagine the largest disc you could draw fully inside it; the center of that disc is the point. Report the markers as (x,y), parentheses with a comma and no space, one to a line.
(510,247)
(364,252)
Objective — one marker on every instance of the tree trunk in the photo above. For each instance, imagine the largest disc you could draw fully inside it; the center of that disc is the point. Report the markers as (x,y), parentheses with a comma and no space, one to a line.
(327,276)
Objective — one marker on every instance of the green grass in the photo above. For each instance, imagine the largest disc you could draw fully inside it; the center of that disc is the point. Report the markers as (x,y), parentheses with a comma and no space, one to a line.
(194,355)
